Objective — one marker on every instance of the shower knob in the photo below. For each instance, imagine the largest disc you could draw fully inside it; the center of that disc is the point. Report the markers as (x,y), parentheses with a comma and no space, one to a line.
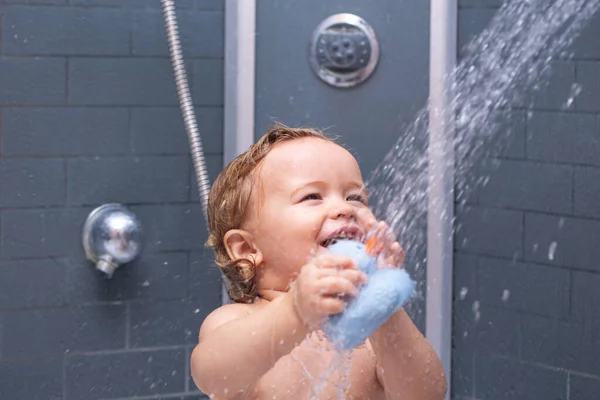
(344,50)
(111,236)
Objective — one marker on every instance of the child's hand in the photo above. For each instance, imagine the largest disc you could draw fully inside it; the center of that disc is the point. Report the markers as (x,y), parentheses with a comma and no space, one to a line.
(319,289)
(381,242)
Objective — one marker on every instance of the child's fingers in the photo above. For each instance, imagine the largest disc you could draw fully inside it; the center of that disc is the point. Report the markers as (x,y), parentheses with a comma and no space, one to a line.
(331,305)
(355,276)
(398,253)
(333,285)
(334,261)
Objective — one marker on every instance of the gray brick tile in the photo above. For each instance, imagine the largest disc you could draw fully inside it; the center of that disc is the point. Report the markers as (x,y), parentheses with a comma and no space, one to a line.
(32,81)
(562,241)
(565,138)
(528,186)
(86,285)
(65,131)
(161,323)
(65,31)
(588,76)
(584,388)
(130,3)
(511,134)
(31,379)
(480,3)
(172,227)
(586,192)
(161,130)
(585,296)
(201,33)
(523,287)
(33,283)
(462,374)
(41,233)
(489,231)
(128,180)
(32,182)
(485,330)
(585,46)
(205,278)
(563,344)
(44,2)
(131,374)
(40,332)
(209,4)
(208,77)
(504,379)
(151,276)
(471,22)
(465,277)
(121,81)
(552,90)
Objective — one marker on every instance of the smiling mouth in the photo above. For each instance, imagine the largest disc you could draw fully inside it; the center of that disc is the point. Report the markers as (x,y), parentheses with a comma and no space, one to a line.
(353,234)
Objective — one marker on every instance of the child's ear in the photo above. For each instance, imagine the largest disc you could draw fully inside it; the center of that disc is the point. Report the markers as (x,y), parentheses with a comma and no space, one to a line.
(240,245)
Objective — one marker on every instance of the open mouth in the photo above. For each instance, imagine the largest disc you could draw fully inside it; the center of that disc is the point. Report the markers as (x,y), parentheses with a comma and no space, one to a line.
(350,233)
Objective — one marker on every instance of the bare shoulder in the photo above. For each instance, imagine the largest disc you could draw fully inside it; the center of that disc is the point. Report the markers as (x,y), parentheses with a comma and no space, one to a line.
(223,315)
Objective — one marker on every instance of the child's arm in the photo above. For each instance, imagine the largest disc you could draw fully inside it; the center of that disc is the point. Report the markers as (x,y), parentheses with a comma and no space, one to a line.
(237,348)
(407,366)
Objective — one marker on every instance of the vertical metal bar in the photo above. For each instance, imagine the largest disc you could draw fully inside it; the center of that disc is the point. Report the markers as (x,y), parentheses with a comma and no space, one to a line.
(443,50)
(240,32)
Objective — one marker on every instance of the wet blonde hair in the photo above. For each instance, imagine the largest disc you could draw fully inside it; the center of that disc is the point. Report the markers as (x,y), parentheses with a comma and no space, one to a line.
(227,203)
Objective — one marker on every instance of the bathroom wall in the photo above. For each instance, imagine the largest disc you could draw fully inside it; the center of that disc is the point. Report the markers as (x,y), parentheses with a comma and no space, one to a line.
(527,275)
(89,115)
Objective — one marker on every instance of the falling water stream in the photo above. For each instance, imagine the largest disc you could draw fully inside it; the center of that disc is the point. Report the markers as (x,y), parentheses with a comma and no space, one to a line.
(498,69)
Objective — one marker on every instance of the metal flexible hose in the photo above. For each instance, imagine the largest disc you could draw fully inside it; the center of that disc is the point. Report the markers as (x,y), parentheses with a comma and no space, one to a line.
(185,101)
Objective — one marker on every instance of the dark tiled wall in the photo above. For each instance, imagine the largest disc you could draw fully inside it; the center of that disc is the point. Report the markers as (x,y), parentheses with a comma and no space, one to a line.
(89,115)
(527,275)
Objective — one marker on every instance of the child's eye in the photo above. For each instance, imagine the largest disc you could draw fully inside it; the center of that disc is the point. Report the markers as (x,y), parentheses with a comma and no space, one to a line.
(312,196)
(357,197)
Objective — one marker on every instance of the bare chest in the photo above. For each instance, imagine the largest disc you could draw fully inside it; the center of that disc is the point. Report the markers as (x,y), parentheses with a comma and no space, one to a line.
(314,371)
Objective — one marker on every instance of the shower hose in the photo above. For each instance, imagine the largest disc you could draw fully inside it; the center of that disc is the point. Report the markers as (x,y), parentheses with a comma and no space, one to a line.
(185,102)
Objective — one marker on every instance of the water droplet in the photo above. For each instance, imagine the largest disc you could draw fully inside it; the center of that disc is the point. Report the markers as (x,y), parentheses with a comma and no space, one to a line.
(574,92)
(146,283)
(476,310)
(505,295)
(552,251)
(463,293)
(196,311)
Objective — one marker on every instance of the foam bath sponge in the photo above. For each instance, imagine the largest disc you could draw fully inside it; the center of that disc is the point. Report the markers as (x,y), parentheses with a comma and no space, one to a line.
(386,291)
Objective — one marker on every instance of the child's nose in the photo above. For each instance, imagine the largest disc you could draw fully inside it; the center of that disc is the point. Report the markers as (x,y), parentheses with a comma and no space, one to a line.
(343,210)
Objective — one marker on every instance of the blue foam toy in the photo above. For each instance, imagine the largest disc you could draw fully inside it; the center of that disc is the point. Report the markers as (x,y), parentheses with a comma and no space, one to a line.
(385,293)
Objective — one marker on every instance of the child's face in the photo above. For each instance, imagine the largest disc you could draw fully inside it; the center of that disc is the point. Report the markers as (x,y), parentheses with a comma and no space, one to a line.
(311,190)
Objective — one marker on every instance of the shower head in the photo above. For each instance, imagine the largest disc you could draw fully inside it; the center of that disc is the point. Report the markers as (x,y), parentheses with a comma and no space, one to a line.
(111,237)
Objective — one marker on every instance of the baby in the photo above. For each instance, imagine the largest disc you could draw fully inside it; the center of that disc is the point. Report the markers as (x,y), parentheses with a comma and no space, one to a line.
(272,213)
